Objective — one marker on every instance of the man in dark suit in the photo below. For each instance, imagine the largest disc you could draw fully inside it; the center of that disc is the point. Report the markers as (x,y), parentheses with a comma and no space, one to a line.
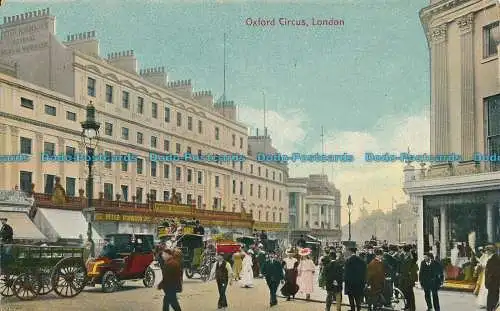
(492,278)
(171,280)
(6,232)
(355,279)
(334,278)
(408,274)
(431,278)
(273,272)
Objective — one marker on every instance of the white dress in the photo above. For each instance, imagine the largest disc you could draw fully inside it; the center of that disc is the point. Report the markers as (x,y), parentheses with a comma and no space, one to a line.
(483,292)
(246,272)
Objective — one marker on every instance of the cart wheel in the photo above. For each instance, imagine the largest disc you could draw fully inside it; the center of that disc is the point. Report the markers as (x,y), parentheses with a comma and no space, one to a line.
(398,300)
(26,287)
(149,278)
(189,273)
(110,282)
(45,281)
(69,277)
(6,283)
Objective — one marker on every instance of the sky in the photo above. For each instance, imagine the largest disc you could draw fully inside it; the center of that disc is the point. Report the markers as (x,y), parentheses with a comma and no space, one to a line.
(365,82)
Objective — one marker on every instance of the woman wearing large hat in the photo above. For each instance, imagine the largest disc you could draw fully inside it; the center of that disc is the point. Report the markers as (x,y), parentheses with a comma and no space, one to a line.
(306,270)
(290,264)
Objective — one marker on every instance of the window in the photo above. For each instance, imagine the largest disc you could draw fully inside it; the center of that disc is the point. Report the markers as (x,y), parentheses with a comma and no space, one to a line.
(233,140)
(189,199)
(91,87)
(71,116)
(234,164)
(322,210)
(153,142)
(258,171)
(251,189)
(153,195)
(166,171)
(25,145)
(200,177)
(178,174)
(280,176)
(70,186)
(274,217)
(200,127)
(108,191)
(259,191)
(274,194)
(241,142)
(27,103)
(267,173)
(199,203)
(138,195)
(109,94)
(241,188)
(166,196)
(179,119)
(25,181)
(279,195)
(124,166)
(49,148)
(260,215)
(267,193)
(489,42)
(50,110)
(241,165)
(124,133)
(189,175)
(217,183)
(108,129)
(274,175)
(179,197)
(140,138)
(107,163)
(50,181)
(190,123)
(125,100)
(251,168)
(153,168)
(493,130)
(199,152)
(188,150)
(234,186)
(140,105)
(177,148)
(70,153)
(167,114)
(166,145)
(124,192)
(140,166)
(217,133)
(154,110)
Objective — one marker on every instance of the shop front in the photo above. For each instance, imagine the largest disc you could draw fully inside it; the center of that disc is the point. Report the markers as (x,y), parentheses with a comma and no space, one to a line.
(110,223)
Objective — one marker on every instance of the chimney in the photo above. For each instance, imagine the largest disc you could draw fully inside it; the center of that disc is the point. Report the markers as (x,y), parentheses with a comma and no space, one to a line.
(182,87)
(227,108)
(124,60)
(155,75)
(84,42)
(205,98)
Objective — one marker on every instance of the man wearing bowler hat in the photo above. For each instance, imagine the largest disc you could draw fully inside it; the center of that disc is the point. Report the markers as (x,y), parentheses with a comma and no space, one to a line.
(492,278)
(6,232)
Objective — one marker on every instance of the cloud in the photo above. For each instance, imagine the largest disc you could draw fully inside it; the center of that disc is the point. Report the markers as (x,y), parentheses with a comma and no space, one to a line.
(377,182)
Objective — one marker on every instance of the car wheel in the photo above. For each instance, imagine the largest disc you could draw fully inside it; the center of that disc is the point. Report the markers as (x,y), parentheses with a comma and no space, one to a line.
(110,282)
(149,278)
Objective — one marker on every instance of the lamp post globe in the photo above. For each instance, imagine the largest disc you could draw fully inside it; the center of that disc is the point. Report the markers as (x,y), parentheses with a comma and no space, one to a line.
(90,138)
(349,211)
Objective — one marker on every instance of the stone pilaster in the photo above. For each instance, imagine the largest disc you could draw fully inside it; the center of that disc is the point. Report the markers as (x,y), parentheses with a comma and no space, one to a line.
(38,173)
(116,167)
(443,240)
(3,150)
(82,173)
(14,149)
(61,149)
(439,90)
(468,127)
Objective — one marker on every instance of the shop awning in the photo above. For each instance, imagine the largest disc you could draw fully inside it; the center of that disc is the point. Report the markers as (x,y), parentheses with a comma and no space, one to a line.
(59,224)
(23,227)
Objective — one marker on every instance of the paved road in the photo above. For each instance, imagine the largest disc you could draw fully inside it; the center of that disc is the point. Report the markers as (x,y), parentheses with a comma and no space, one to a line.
(197,296)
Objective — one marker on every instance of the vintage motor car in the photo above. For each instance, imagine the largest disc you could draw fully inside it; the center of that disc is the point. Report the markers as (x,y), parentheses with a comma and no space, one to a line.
(135,256)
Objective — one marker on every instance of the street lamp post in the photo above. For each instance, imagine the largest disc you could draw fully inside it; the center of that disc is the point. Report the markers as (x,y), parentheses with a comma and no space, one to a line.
(399,230)
(90,136)
(349,210)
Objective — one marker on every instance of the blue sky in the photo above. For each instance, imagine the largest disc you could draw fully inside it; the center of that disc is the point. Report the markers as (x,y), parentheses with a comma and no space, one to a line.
(360,81)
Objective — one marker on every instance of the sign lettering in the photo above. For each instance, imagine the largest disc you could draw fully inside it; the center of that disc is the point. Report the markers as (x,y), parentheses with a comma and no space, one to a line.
(25,38)
(172,208)
(125,218)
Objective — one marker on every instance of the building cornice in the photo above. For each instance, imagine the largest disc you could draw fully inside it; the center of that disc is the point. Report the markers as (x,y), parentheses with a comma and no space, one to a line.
(454,184)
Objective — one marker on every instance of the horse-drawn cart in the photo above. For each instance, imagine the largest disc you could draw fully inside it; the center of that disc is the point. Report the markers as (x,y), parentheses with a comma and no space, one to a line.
(28,271)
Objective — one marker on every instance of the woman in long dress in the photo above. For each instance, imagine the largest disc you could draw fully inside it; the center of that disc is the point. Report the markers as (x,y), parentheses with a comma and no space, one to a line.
(237,264)
(306,270)
(483,292)
(290,264)
(247,271)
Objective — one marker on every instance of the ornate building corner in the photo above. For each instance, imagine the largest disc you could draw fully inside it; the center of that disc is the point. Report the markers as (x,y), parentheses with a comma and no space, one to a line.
(39,138)
(465,23)
(14,130)
(3,128)
(439,34)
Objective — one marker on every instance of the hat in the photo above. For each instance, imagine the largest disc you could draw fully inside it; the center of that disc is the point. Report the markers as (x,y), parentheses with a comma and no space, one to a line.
(3,218)
(305,252)
(250,251)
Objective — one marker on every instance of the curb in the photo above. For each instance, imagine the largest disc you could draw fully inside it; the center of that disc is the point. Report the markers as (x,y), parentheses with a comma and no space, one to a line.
(343,304)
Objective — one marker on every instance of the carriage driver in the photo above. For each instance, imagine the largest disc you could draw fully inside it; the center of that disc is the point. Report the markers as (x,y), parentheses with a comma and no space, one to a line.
(109,250)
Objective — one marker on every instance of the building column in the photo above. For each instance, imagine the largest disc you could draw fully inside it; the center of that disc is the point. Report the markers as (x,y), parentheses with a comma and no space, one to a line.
(61,149)
(439,86)
(490,222)
(309,216)
(419,202)
(443,243)
(326,216)
(39,179)
(14,149)
(4,184)
(468,127)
